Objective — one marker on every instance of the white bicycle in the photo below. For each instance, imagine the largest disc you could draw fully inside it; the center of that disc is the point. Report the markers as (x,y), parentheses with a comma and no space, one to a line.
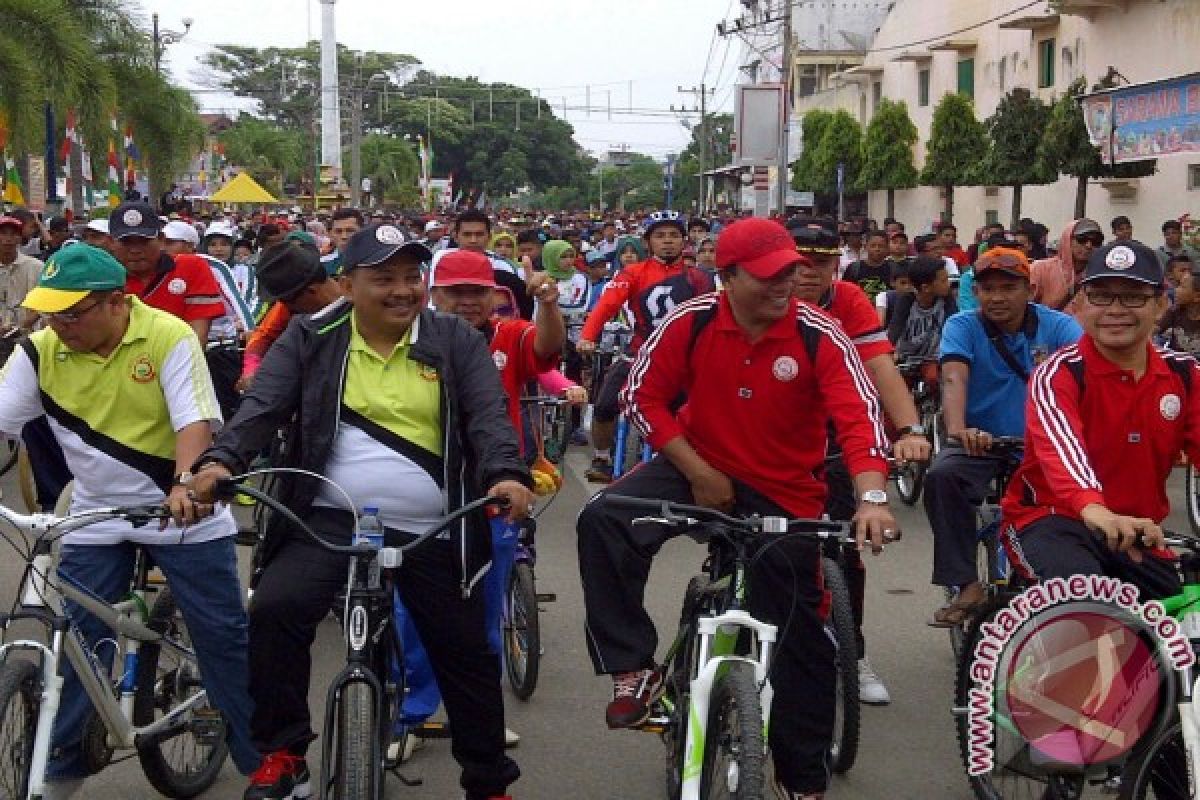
(151,701)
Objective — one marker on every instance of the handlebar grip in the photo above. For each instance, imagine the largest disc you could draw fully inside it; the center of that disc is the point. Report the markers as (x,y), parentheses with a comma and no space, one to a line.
(633,503)
(226,489)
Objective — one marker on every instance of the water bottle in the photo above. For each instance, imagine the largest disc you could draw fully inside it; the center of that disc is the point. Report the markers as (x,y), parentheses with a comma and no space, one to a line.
(370,528)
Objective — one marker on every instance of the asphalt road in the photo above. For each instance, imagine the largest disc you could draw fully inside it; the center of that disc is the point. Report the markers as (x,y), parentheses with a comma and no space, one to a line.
(908,748)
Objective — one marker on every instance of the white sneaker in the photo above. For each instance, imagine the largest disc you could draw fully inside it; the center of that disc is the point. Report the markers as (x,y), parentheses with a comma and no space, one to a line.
(401,750)
(870,688)
(511,738)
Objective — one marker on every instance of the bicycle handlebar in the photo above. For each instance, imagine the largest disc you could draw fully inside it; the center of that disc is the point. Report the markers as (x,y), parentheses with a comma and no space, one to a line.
(49,523)
(683,515)
(227,488)
(999,443)
(545,400)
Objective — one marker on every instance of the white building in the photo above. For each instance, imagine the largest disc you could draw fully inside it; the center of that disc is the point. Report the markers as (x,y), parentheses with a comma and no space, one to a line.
(986,48)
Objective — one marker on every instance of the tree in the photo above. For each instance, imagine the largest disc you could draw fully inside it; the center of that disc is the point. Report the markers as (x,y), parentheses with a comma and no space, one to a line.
(1014,132)
(812,128)
(957,144)
(887,152)
(1066,148)
(392,166)
(719,129)
(273,156)
(840,145)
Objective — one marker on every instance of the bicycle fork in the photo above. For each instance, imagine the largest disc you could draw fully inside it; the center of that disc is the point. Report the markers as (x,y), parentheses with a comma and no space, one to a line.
(1190,727)
(718,635)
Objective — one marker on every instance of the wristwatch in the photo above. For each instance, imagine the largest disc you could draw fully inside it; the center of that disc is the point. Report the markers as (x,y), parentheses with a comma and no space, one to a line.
(874,497)
(914,430)
(182,479)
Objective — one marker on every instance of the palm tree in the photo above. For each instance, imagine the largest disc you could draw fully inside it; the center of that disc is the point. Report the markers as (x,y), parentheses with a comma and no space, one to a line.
(270,154)
(391,164)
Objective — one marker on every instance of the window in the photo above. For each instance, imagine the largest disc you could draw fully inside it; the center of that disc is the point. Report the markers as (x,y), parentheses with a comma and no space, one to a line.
(991,217)
(923,87)
(1193,177)
(1045,63)
(876,95)
(966,77)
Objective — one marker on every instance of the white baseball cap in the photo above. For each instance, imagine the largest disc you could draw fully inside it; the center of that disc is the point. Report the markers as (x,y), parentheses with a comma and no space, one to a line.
(220,228)
(98,225)
(180,231)
(433,225)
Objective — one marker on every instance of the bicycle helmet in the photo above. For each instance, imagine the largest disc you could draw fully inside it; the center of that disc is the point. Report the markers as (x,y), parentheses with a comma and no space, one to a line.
(665,217)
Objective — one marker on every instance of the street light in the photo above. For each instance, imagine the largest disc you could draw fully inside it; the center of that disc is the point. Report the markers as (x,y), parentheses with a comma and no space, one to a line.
(162,38)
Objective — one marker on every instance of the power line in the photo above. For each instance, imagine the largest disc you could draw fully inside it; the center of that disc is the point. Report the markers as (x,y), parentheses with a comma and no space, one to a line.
(940,36)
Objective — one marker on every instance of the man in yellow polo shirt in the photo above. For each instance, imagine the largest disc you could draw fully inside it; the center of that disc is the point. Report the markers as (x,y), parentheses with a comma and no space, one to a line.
(129,399)
(403,408)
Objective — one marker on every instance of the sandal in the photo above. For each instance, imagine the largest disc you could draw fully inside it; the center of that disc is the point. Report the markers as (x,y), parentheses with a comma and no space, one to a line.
(954,614)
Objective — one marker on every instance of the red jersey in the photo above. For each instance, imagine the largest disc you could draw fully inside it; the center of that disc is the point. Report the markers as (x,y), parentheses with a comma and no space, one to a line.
(761,417)
(512,345)
(1112,439)
(849,305)
(653,289)
(183,286)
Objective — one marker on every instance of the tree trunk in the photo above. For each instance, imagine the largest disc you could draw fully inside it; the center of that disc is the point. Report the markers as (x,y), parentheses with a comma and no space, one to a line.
(1081,197)
(1016,207)
(891,203)
(948,213)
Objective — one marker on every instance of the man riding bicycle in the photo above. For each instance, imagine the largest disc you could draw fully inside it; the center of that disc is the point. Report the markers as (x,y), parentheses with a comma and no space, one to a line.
(1106,420)
(652,288)
(128,398)
(986,356)
(750,437)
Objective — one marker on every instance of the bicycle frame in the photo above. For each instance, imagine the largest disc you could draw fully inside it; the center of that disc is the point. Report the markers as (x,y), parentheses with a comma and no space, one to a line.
(620,438)
(115,711)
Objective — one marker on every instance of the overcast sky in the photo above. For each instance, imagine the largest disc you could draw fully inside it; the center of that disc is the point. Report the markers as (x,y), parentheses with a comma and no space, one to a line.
(559,47)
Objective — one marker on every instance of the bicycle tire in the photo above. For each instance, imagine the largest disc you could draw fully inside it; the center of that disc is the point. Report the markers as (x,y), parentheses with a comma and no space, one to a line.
(986,568)
(848,720)
(355,774)
(1191,485)
(522,632)
(1009,783)
(20,692)
(160,688)
(735,729)
(910,479)
(1161,768)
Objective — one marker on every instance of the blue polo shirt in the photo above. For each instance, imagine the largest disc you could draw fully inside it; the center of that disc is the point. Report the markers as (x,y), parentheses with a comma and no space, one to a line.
(996,394)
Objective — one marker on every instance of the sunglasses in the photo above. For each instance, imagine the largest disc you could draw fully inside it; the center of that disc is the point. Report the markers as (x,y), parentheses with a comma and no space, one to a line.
(1095,240)
(1105,298)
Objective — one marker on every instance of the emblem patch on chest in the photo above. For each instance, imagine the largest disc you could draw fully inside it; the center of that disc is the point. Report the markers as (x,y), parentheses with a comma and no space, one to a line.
(785,369)
(143,370)
(1170,406)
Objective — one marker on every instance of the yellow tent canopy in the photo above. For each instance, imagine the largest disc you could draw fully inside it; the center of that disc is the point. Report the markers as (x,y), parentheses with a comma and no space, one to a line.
(242,189)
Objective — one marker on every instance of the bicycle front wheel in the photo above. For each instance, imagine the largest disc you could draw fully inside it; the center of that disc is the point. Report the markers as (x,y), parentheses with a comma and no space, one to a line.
(353,750)
(20,700)
(1161,771)
(522,634)
(188,763)
(735,752)
(847,720)
(1192,490)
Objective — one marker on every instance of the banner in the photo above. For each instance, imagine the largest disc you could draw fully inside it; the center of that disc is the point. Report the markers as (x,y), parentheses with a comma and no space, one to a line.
(1149,120)
(37,183)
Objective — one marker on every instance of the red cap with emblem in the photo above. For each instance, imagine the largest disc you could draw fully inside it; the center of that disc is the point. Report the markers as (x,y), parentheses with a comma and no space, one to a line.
(762,247)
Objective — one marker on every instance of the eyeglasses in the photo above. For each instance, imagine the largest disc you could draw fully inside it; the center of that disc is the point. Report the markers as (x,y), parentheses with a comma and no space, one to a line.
(1105,298)
(71,317)
(1095,240)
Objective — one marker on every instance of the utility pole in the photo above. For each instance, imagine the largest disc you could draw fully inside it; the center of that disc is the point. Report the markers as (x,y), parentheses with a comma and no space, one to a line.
(785,78)
(702,93)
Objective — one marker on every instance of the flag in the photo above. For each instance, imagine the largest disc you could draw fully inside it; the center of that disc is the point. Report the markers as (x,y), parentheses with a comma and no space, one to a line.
(131,149)
(114,175)
(69,137)
(12,183)
(481,201)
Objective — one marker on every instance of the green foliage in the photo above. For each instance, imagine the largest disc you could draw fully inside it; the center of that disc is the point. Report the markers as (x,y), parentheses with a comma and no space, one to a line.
(888,149)
(687,168)
(1065,147)
(392,166)
(166,124)
(812,129)
(841,143)
(273,156)
(1014,131)
(957,144)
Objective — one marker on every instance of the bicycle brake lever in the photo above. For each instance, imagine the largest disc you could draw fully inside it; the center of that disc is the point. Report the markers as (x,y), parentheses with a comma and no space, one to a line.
(677,522)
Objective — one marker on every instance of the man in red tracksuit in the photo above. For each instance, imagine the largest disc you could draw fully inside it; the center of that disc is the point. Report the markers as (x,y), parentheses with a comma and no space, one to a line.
(762,372)
(1106,419)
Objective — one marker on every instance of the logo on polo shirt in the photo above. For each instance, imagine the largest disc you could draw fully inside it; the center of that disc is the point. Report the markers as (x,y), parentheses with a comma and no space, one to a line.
(132,218)
(1120,258)
(428,373)
(143,369)
(500,359)
(177,286)
(1169,406)
(785,369)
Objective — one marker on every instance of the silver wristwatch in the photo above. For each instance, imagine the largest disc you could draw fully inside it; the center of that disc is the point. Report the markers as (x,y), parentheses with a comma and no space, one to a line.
(875,497)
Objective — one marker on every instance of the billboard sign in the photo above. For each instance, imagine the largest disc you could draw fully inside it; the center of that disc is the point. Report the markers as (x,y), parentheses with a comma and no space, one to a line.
(1148,120)
(758,122)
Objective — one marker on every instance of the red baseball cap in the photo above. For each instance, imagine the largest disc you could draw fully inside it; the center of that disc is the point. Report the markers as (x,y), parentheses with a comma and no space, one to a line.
(12,222)
(762,247)
(464,268)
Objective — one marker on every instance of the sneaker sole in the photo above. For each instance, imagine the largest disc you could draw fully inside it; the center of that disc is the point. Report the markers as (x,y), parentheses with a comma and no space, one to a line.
(302,791)
(654,696)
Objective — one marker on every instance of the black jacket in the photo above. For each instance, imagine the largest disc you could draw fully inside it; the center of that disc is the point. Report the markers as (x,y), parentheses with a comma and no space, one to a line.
(300,384)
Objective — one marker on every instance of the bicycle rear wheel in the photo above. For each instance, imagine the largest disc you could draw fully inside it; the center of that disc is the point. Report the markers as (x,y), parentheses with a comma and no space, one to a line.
(355,771)
(188,763)
(522,633)
(1161,771)
(848,718)
(20,700)
(1192,489)
(735,752)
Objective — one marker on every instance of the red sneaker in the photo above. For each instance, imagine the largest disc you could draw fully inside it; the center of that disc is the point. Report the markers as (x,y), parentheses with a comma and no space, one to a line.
(633,694)
(280,776)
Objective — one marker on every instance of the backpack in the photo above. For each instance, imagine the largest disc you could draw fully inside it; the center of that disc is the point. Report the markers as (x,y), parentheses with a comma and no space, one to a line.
(1181,367)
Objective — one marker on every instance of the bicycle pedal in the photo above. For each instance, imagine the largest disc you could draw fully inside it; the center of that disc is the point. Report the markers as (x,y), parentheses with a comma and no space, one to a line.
(432,730)
(208,726)
(655,723)
(547,597)
(155,577)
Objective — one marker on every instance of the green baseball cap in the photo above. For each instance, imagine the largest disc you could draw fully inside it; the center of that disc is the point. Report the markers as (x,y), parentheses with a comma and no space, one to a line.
(70,274)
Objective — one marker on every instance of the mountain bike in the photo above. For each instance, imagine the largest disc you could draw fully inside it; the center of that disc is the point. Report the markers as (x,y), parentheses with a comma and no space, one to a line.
(521,631)
(922,378)
(362,700)
(715,709)
(841,628)
(152,703)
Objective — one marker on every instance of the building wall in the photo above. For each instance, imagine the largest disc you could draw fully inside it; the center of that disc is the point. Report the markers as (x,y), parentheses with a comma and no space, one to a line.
(1144,40)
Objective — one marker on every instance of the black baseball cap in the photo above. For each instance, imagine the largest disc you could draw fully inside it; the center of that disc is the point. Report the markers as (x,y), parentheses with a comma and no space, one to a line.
(1130,260)
(375,244)
(285,269)
(134,219)
(815,235)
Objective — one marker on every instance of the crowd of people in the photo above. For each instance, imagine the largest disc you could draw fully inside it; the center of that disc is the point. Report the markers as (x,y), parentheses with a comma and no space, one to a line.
(153,356)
